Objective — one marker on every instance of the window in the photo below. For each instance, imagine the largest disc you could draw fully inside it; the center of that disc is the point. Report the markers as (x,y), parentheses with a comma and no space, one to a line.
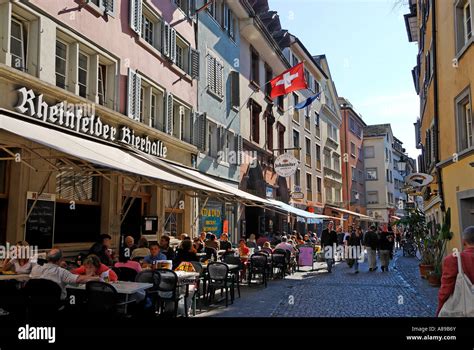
(371,174)
(281,137)
(336,163)
(61,64)
(337,195)
(152,28)
(18,45)
(327,158)
(463,24)
(332,132)
(256,110)
(296,143)
(281,103)
(270,121)
(318,157)
(148,30)
(309,187)
(296,112)
(182,55)
(319,189)
(360,176)
(317,131)
(308,151)
(307,118)
(102,74)
(83,74)
(369,152)
(77,187)
(268,77)
(464,121)
(297,178)
(215,75)
(255,68)
(212,140)
(353,149)
(107,6)
(328,192)
(235,89)
(354,174)
(372,197)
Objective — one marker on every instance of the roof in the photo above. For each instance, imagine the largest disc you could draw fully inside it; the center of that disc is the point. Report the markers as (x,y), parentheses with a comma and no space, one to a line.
(377,130)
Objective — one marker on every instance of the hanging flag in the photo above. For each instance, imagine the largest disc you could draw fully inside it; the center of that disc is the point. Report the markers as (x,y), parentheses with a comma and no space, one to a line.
(289,81)
(308,101)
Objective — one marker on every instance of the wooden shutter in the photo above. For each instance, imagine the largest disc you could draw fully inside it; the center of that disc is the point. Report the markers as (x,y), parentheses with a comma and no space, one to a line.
(194,66)
(235,89)
(219,78)
(134,92)
(136,16)
(165,38)
(109,7)
(240,149)
(172,45)
(169,113)
(202,138)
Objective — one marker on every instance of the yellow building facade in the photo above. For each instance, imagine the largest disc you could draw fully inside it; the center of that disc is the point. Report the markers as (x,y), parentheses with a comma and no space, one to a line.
(443,78)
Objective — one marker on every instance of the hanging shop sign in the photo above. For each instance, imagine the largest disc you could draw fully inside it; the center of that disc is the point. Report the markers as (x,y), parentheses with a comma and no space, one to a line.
(211,218)
(297,195)
(81,119)
(286,165)
(419,179)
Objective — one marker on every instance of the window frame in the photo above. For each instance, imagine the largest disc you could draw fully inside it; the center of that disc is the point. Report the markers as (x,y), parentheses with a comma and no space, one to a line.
(66,69)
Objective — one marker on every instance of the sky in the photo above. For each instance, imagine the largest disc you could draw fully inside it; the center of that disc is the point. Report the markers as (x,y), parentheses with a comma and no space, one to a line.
(369,55)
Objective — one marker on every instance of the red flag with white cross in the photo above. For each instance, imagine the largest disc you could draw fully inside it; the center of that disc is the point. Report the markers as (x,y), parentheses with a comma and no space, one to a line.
(289,81)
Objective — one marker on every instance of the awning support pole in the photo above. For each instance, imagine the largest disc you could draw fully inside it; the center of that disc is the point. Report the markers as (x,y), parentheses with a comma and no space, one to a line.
(43,186)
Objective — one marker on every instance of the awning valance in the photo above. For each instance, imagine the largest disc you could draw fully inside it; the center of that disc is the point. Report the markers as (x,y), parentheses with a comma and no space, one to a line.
(361,216)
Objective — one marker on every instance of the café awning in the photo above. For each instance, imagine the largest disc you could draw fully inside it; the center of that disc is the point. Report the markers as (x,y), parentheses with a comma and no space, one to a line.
(102,155)
(295,211)
(361,216)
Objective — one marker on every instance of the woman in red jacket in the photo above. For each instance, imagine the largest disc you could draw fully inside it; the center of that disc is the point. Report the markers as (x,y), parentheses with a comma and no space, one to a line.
(92,266)
(450,267)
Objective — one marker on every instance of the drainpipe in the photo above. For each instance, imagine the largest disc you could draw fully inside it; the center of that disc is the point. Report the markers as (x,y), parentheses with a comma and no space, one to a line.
(436,105)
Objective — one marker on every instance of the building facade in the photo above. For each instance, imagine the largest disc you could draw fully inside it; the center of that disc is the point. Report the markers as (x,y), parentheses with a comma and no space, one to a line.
(131,63)
(443,78)
(379,182)
(353,190)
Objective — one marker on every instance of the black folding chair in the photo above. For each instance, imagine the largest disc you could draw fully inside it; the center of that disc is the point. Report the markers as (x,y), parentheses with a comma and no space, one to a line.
(168,289)
(42,299)
(219,278)
(235,260)
(102,298)
(126,274)
(258,266)
(279,261)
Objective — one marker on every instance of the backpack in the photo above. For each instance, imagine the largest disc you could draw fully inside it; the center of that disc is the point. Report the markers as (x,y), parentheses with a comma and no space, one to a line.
(461,302)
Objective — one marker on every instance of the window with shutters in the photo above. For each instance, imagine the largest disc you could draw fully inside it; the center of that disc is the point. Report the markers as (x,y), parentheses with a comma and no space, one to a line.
(183,54)
(152,27)
(18,44)
(182,122)
(101,83)
(83,71)
(212,142)
(103,6)
(215,75)
(464,121)
(235,89)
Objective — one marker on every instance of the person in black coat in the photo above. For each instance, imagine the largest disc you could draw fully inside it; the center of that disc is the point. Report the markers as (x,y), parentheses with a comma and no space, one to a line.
(371,242)
(354,242)
(102,249)
(185,253)
(329,244)
(386,242)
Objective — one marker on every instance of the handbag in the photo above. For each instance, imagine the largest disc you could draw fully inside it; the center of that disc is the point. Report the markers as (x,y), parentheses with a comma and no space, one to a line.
(461,302)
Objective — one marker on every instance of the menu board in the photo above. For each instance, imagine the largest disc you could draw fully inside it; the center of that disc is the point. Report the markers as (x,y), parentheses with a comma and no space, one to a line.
(39,228)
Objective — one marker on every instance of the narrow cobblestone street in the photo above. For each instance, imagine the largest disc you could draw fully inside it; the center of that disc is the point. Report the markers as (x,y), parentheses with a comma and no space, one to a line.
(398,293)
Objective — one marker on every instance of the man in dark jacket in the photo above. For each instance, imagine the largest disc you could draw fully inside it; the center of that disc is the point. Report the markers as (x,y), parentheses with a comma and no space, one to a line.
(102,249)
(386,241)
(329,244)
(371,242)
(354,242)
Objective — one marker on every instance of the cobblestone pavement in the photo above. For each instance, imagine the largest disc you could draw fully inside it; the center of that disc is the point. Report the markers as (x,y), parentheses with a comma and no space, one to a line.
(397,293)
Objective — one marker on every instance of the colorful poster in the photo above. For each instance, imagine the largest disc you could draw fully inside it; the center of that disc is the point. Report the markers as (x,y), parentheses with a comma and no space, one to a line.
(211,218)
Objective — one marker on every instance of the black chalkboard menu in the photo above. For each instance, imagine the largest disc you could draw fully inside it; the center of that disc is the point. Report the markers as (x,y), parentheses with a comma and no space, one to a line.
(39,227)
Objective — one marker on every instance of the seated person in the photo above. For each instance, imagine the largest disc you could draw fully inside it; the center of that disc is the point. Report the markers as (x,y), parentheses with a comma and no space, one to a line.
(92,266)
(198,245)
(142,250)
(126,262)
(243,249)
(185,253)
(53,272)
(102,249)
(212,242)
(224,243)
(128,247)
(285,245)
(165,247)
(251,242)
(20,264)
(267,248)
(155,255)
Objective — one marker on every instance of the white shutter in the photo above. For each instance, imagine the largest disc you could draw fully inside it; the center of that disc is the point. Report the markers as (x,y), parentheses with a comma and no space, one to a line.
(240,149)
(172,44)
(109,6)
(182,116)
(165,38)
(136,16)
(219,78)
(194,63)
(134,92)
(169,113)
(211,73)
(203,129)
(226,17)
(231,24)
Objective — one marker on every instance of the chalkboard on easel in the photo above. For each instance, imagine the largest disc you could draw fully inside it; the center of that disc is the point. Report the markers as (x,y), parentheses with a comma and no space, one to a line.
(39,228)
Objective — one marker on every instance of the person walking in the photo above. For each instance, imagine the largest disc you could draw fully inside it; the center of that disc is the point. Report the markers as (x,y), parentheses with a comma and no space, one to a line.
(329,244)
(450,271)
(386,241)
(354,243)
(371,242)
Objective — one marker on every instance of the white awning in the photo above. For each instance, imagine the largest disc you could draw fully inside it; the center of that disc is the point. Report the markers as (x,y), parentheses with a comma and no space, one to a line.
(298,212)
(196,176)
(94,152)
(362,216)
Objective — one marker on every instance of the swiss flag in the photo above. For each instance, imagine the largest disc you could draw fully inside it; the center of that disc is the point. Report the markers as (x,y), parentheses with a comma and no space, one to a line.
(288,81)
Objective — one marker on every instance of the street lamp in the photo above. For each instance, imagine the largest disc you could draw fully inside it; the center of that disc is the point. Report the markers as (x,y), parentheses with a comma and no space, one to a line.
(402,165)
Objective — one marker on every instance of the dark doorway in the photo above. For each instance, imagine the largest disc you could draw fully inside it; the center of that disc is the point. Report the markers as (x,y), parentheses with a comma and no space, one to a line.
(132,224)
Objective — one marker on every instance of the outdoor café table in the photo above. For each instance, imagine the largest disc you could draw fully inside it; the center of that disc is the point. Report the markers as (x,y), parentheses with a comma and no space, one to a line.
(185,279)
(122,287)
(21,277)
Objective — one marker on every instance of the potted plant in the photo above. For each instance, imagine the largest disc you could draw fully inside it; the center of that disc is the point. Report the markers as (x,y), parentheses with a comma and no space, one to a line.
(444,235)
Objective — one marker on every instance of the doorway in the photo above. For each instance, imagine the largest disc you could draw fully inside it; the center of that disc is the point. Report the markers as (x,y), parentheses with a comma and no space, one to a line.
(133,222)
